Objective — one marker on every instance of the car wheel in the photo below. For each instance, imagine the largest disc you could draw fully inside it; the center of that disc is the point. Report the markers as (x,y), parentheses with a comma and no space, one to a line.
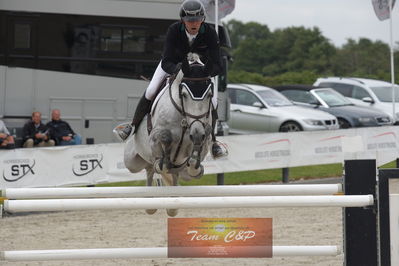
(343,123)
(290,127)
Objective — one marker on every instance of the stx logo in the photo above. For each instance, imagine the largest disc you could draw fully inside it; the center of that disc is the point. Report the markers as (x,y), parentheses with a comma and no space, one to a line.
(87,164)
(18,169)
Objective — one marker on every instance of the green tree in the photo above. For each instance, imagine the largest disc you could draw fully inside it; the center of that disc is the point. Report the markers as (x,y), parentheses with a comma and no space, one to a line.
(290,49)
(362,58)
(239,31)
(300,55)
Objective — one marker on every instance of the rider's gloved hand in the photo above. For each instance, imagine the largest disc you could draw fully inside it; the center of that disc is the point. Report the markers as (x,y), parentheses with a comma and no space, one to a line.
(185,66)
(209,68)
(177,68)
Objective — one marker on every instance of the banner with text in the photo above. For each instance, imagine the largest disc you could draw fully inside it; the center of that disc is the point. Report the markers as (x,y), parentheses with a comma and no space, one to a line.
(103,163)
(220,238)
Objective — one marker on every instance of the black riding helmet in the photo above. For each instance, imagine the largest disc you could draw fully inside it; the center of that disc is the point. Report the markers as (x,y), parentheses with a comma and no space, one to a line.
(192,10)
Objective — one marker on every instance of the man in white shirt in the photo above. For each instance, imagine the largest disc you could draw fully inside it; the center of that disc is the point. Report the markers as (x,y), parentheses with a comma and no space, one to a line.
(6,141)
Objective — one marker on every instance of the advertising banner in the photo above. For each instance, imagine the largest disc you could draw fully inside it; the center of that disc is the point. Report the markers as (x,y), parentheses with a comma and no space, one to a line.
(104,163)
(220,238)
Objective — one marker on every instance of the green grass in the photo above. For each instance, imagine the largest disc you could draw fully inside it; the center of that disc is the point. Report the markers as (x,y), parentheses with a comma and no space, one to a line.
(263,176)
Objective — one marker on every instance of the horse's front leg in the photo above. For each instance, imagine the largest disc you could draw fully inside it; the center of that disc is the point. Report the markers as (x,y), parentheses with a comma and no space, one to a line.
(194,166)
(150,180)
(163,149)
(173,212)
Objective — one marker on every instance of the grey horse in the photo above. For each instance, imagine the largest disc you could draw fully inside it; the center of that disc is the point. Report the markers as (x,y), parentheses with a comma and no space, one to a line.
(181,127)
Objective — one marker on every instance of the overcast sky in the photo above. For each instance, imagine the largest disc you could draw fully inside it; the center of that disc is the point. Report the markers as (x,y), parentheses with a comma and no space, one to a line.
(338,20)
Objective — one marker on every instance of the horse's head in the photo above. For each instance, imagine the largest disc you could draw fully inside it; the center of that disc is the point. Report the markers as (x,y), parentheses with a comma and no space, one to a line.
(195,93)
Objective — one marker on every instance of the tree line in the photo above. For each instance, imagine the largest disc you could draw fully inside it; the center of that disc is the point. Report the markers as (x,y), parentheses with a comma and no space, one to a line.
(299,55)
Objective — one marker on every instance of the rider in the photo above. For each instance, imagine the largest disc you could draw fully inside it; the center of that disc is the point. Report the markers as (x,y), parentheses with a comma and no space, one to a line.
(191,34)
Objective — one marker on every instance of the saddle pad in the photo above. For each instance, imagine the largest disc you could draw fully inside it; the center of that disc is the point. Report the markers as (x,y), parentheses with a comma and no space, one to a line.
(155,102)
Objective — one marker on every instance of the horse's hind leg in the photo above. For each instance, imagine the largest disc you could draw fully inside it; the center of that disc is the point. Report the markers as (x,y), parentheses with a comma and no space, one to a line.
(173,212)
(150,179)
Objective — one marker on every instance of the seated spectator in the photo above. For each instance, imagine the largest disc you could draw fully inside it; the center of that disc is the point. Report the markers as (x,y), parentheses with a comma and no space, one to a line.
(61,131)
(6,141)
(35,133)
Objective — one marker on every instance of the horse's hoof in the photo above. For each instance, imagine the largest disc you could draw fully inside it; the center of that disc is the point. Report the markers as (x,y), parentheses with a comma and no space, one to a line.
(151,211)
(172,212)
(196,173)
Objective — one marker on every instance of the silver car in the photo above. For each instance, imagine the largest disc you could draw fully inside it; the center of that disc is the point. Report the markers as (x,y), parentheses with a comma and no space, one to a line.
(255,109)
(371,93)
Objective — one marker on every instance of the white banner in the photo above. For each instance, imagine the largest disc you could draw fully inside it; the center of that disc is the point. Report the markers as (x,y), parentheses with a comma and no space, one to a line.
(381,8)
(103,163)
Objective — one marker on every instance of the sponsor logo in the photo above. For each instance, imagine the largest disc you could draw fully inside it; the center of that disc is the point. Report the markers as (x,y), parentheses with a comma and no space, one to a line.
(16,169)
(385,134)
(276,141)
(220,237)
(86,163)
(383,145)
(274,153)
(280,151)
(329,148)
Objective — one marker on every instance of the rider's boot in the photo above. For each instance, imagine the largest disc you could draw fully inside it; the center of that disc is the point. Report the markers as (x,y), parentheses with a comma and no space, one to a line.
(143,107)
(217,150)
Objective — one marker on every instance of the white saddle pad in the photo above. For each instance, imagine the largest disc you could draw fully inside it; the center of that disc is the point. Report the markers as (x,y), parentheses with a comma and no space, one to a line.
(158,97)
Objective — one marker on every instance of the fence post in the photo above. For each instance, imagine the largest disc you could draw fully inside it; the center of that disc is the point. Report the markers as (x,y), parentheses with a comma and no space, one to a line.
(286,173)
(220,176)
(360,224)
(220,179)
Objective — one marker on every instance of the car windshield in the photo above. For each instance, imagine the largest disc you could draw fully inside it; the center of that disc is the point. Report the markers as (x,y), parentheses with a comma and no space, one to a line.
(274,98)
(384,94)
(332,98)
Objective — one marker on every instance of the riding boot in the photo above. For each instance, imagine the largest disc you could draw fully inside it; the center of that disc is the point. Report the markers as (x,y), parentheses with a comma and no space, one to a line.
(143,108)
(217,150)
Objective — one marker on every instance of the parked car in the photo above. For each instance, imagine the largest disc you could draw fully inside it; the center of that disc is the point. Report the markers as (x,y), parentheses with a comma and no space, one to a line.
(331,101)
(372,93)
(255,109)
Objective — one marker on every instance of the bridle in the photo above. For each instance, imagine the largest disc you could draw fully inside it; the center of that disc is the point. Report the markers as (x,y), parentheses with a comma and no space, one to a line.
(182,110)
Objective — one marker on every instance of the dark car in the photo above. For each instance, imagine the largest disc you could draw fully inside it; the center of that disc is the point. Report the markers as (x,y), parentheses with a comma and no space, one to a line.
(331,101)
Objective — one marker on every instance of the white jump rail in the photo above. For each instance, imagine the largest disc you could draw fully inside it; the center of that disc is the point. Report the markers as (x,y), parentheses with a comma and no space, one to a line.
(14,206)
(145,253)
(183,191)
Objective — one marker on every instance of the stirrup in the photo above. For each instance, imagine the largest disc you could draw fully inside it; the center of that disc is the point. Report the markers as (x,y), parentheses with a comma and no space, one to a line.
(218,150)
(123,131)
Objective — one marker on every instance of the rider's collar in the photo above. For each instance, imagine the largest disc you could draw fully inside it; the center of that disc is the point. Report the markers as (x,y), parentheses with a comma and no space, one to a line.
(191,37)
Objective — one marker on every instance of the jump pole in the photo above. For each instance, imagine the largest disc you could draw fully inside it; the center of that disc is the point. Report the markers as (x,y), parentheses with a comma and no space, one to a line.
(144,253)
(171,191)
(15,206)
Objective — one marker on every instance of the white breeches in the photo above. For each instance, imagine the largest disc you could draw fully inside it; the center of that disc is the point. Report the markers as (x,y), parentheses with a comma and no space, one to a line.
(159,76)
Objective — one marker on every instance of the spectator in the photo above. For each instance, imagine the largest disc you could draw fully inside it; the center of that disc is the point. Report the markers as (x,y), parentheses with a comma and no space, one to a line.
(6,141)
(35,133)
(61,131)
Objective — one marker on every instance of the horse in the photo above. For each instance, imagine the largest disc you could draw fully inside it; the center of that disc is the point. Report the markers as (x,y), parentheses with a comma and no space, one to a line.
(181,127)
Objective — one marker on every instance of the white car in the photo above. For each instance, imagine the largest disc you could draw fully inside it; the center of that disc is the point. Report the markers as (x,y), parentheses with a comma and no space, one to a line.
(365,92)
(256,109)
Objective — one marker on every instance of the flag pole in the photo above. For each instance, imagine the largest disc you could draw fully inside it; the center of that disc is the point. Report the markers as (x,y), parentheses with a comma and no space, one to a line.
(217,32)
(392,62)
